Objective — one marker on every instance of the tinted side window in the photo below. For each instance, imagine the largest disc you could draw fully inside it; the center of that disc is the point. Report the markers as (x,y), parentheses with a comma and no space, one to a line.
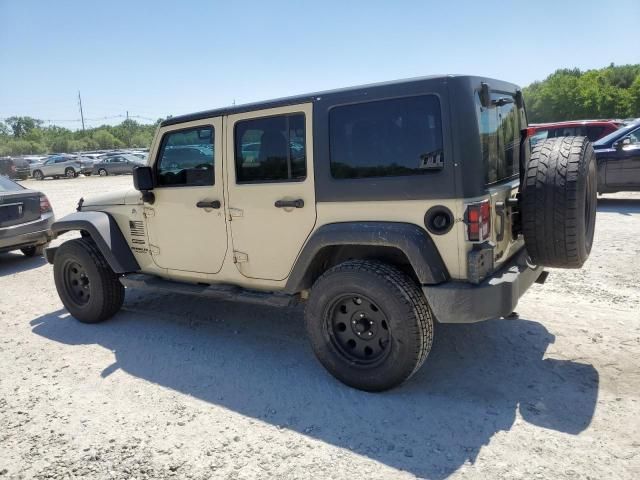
(187,158)
(271,149)
(594,133)
(386,138)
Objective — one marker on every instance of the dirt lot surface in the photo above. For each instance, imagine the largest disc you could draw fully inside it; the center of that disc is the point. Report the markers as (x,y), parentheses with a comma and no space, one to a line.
(182,387)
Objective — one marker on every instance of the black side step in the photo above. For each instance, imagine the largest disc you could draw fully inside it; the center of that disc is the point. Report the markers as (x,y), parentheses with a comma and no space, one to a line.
(230,293)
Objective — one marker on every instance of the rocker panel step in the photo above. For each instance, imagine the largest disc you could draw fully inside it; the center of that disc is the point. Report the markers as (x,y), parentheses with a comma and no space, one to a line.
(230,293)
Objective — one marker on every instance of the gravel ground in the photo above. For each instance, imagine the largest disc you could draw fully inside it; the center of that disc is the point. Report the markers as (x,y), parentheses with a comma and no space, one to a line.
(181,387)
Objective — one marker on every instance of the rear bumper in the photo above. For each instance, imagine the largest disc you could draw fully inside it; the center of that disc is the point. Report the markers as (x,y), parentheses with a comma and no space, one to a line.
(497,296)
(37,232)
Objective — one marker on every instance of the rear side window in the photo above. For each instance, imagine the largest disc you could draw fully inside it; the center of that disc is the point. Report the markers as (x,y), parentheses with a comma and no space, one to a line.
(386,138)
(271,149)
(186,158)
(500,126)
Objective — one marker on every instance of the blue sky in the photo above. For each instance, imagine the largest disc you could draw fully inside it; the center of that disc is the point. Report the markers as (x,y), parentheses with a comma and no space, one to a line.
(155,58)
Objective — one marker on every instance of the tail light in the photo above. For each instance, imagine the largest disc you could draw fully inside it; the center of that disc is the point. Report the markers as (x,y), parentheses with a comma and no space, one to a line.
(45,206)
(529,132)
(478,221)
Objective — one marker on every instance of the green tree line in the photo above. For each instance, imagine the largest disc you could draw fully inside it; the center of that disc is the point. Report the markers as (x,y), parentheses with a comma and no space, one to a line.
(571,94)
(26,135)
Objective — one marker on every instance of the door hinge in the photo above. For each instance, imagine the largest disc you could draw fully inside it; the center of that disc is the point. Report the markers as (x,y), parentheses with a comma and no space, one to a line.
(149,212)
(240,257)
(154,250)
(235,212)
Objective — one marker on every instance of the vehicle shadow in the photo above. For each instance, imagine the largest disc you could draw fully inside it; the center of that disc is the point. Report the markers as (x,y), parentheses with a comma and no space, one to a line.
(16,262)
(625,206)
(256,361)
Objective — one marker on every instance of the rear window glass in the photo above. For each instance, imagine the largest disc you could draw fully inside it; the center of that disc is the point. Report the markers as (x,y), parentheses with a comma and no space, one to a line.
(500,127)
(386,138)
(7,185)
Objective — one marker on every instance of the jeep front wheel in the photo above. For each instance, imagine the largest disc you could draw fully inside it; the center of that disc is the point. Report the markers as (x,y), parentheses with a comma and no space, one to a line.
(369,324)
(87,286)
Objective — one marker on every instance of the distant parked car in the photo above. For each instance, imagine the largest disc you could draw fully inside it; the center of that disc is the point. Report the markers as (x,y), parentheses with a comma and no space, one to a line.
(56,166)
(26,217)
(116,165)
(592,129)
(618,156)
(14,168)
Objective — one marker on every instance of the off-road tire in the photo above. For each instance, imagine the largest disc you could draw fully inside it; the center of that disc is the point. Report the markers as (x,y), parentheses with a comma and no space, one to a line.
(558,202)
(34,251)
(37,174)
(106,291)
(409,318)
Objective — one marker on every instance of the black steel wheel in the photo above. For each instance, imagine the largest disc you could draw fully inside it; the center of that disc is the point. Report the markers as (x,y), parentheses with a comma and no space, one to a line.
(87,286)
(358,329)
(76,282)
(369,324)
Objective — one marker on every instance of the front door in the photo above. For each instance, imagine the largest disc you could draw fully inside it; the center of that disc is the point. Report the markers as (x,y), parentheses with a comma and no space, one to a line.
(270,188)
(186,223)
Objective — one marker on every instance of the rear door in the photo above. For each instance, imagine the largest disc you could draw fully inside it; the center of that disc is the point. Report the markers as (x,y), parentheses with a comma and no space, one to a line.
(270,187)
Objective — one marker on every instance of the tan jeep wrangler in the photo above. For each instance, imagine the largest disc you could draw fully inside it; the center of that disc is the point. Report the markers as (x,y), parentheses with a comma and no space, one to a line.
(384,208)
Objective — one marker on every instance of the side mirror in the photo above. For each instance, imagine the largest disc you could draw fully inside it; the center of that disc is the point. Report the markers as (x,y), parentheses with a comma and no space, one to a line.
(143,179)
(621,143)
(143,182)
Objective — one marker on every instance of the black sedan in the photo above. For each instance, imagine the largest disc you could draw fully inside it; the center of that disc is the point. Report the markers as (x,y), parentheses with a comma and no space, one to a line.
(26,217)
(116,164)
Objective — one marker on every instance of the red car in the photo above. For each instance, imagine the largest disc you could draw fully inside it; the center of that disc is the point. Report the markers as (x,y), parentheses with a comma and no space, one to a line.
(592,129)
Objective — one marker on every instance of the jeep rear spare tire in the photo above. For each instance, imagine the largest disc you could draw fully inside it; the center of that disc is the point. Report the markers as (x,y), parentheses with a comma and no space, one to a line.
(369,324)
(559,201)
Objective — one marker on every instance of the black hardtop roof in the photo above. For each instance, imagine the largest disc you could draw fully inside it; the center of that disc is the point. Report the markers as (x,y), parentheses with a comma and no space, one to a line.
(311,97)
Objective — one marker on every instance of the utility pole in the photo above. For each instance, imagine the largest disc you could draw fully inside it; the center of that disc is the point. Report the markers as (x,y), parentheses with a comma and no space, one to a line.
(127,114)
(81,114)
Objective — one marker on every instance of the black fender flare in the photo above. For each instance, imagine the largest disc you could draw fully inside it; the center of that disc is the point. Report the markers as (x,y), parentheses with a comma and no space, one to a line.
(412,240)
(105,232)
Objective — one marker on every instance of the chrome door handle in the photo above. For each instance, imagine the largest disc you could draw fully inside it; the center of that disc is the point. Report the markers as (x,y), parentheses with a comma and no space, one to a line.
(206,204)
(299,203)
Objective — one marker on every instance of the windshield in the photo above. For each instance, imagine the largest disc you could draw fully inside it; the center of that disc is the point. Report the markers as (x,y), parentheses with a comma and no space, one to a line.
(614,135)
(7,185)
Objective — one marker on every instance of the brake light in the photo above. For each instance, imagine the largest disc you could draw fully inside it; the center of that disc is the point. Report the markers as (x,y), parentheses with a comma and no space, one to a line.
(45,206)
(530,132)
(478,221)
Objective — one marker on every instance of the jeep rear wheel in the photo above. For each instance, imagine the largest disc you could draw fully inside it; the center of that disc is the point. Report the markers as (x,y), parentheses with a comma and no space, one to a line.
(87,286)
(559,202)
(369,324)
